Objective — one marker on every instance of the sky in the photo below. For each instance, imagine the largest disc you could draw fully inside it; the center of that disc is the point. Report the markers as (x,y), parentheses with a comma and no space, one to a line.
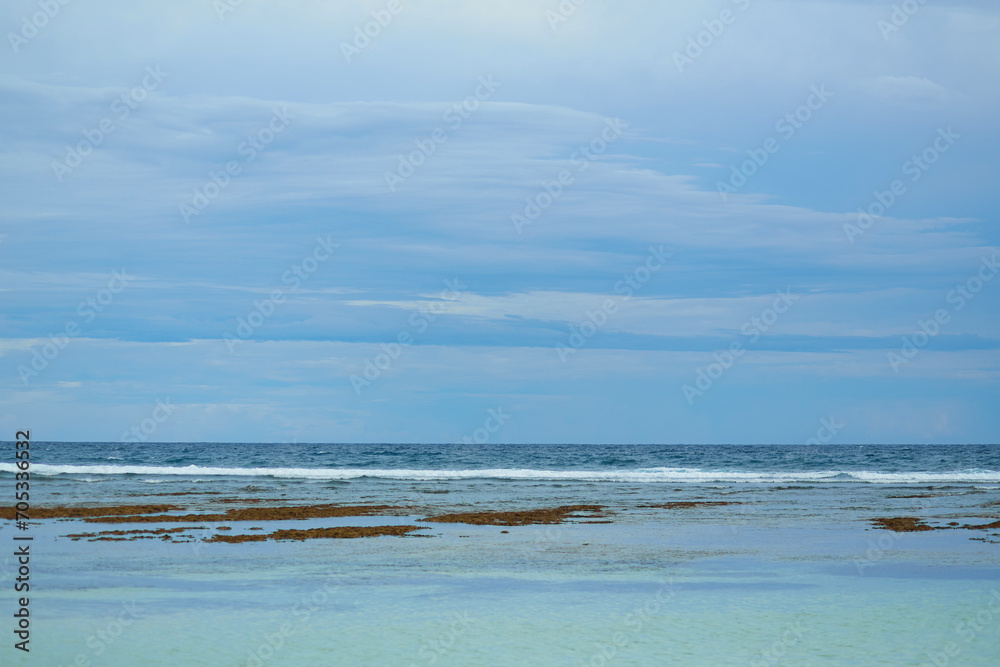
(515,221)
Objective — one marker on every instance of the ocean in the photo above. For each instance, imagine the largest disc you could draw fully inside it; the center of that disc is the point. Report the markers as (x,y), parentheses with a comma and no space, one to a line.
(701,555)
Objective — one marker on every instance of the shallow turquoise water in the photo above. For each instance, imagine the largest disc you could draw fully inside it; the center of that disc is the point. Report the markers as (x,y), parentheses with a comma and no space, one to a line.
(792,575)
(636,593)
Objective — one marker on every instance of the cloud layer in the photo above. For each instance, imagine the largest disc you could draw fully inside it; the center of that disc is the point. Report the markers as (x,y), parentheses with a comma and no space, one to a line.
(544,211)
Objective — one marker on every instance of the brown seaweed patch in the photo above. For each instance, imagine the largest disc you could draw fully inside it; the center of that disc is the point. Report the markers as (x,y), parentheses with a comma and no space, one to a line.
(82,512)
(902,524)
(157,531)
(341,532)
(129,535)
(249,500)
(909,524)
(519,518)
(127,539)
(293,512)
(688,504)
(233,539)
(985,526)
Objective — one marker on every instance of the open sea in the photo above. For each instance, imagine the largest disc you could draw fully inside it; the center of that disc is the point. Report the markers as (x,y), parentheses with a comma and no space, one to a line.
(790,572)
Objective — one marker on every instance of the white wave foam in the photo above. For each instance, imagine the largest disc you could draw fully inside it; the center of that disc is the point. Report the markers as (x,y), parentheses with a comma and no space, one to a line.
(668,475)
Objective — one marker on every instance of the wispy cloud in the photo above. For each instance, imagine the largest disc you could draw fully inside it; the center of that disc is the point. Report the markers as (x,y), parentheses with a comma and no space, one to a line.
(155,143)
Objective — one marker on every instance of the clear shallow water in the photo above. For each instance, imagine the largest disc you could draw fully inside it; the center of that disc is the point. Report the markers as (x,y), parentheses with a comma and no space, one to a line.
(790,576)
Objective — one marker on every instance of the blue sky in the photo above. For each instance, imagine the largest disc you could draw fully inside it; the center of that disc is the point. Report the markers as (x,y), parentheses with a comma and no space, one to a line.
(526,202)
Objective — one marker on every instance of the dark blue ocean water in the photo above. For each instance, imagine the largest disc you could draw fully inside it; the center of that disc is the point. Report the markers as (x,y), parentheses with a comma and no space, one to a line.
(494,473)
(648,463)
